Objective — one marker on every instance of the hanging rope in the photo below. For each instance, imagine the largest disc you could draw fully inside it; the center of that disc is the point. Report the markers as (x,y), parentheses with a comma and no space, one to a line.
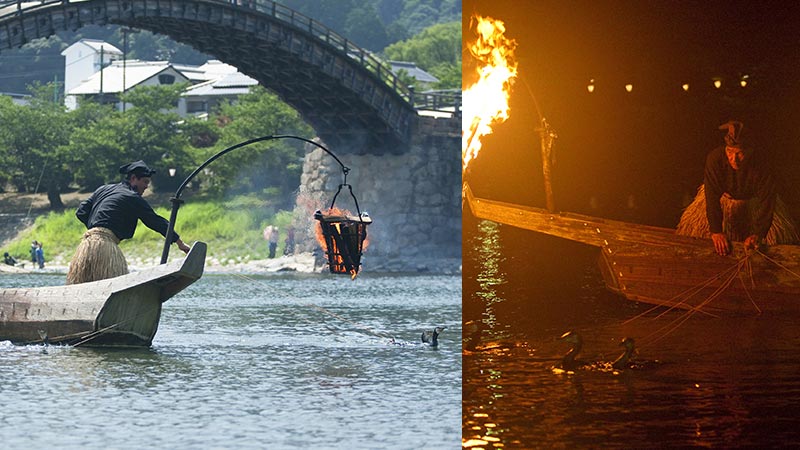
(680,300)
(102,331)
(62,338)
(358,326)
(673,325)
(36,190)
(86,336)
(773,261)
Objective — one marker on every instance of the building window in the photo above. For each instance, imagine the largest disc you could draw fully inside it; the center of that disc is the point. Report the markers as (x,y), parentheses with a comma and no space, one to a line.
(166,79)
(195,106)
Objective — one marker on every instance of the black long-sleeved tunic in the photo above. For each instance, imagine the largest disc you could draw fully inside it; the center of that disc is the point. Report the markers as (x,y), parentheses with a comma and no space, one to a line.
(119,208)
(749,182)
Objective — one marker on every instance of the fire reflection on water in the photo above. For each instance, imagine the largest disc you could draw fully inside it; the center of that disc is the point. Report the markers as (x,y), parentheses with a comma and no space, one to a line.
(733,380)
(479,430)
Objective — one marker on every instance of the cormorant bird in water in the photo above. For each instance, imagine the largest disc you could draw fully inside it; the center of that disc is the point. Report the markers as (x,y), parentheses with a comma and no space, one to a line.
(624,360)
(432,337)
(428,337)
(568,362)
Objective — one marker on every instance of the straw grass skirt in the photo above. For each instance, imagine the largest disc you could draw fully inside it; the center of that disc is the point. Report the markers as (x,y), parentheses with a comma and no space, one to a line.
(98,257)
(737,215)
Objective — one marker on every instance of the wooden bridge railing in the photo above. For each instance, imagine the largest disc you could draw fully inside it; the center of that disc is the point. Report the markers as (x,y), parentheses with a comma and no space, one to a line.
(379,68)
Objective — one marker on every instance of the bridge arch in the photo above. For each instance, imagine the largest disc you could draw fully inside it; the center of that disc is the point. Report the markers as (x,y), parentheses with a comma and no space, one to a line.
(353,101)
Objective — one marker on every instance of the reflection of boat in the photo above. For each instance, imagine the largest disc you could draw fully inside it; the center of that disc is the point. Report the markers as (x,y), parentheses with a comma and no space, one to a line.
(654,265)
(121,311)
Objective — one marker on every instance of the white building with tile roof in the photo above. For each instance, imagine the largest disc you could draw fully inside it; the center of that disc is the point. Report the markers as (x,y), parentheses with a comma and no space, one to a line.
(83,59)
(204,97)
(210,83)
(413,71)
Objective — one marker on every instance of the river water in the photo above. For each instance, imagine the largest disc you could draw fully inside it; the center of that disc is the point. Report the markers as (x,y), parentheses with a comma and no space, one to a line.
(706,382)
(273,361)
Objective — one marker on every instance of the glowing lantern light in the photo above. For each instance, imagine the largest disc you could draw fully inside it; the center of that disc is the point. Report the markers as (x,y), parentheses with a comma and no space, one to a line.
(590,87)
(685,87)
(486,102)
(743,81)
(717,83)
(629,87)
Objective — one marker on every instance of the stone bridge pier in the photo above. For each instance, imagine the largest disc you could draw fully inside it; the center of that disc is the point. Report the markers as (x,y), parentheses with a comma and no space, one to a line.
(413,198)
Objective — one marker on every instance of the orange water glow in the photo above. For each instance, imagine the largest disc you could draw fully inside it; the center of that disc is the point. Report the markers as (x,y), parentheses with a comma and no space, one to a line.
(486,102)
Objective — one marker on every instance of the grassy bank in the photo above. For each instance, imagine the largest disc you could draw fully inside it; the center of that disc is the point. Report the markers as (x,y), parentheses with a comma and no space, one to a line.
(232,229)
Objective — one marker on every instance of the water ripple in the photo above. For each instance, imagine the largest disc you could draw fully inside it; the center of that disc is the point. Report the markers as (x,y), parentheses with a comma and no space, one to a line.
(267,362)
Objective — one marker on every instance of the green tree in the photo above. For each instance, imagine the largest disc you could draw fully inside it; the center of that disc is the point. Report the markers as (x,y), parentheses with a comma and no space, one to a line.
(272,168)
(31,140)
(331,13)
(364,27)
(6,139)
(95,150)
(396,32)
(420,14)
(149,130)
(201,133)
(436,49)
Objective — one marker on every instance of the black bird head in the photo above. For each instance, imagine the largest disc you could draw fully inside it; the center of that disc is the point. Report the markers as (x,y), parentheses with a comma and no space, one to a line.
(630,346)
(432,337)
(571,337)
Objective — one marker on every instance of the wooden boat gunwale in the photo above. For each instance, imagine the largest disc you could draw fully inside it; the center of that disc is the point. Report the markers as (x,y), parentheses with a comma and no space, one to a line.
(119,312)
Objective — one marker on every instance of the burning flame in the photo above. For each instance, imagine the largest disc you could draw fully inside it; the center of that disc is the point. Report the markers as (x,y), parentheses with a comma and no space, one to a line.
(336,254)
(486,101)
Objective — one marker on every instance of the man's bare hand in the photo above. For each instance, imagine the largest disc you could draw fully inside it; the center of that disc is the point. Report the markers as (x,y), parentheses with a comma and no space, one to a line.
(751,243)
(721,244)
(182,246)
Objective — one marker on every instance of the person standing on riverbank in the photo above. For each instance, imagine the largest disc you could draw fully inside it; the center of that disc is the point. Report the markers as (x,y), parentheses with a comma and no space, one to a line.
(271,235)
(111,215)
(39,255)
(34,245)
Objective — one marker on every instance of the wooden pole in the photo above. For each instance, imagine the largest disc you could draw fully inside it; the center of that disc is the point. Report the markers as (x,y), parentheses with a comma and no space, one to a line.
(547,136)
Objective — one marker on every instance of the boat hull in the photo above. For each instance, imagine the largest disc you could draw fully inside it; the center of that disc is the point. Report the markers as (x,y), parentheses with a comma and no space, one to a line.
(656,266)
(698,279)
(121,311)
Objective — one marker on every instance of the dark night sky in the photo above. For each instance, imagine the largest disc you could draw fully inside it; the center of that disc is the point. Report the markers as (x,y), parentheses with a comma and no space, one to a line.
(651,142)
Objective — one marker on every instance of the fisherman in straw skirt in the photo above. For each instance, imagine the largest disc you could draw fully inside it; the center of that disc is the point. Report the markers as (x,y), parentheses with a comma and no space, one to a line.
(738,200)
(111,215)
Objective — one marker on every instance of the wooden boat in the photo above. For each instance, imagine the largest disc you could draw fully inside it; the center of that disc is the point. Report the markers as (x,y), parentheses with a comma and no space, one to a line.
(656,266)
(117,312)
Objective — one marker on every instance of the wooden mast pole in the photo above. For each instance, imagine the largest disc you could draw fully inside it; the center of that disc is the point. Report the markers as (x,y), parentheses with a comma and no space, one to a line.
(547,137)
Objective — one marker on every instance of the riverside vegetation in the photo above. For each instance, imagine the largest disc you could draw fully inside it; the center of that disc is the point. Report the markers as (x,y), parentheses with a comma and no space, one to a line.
(232,229)
(46,149)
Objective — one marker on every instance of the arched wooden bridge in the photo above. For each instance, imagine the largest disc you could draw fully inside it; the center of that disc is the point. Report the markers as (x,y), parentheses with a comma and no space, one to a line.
(353,101)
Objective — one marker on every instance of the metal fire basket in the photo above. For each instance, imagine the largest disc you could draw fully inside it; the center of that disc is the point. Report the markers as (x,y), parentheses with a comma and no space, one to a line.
(344,235)
(344,240)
